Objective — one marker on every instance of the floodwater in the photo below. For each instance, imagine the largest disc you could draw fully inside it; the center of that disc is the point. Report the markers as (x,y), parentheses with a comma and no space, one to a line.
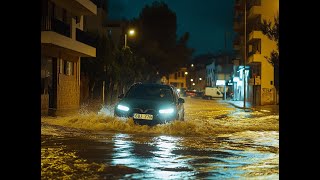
(216,141)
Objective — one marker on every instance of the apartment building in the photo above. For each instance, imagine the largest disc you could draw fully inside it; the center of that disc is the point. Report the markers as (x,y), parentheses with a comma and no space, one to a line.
(257,46)
(63,42)
(179,78)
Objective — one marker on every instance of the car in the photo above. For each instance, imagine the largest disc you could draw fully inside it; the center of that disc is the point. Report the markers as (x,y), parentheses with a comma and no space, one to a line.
(190,93)
(150,104)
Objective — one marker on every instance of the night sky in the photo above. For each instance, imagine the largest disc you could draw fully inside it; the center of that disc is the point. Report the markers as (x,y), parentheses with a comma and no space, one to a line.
(205,20)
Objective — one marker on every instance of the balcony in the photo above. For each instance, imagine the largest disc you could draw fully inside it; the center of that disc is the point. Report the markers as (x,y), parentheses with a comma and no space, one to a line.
(236,26)
(255,57)
(56,37)
(86,38)
(78,7)
(236,44)
(255,35)
(254,12)
(52,24)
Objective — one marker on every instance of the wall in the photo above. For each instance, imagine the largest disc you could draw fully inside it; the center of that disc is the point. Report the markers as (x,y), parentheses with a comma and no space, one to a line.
(269,10)
(44,104)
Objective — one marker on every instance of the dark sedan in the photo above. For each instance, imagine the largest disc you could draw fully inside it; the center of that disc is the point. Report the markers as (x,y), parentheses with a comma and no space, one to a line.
(150,104)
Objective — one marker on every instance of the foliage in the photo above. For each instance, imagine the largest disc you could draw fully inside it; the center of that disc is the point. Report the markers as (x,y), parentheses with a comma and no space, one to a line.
(157,39)
(271,30)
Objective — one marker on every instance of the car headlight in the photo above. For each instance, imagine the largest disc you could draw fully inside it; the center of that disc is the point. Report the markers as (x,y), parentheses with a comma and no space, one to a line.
(123,108)
(166,111)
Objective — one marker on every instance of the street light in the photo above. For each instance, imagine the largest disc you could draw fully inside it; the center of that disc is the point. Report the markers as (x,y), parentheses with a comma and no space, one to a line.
(200,79)
(131,33)
(191,79)
(186,73)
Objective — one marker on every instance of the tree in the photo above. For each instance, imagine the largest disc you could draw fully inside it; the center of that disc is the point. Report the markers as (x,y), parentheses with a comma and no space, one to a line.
(271,30)
(157,40)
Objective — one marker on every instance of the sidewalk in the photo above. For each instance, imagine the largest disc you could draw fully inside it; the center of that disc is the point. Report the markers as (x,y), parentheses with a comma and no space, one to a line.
(239,104)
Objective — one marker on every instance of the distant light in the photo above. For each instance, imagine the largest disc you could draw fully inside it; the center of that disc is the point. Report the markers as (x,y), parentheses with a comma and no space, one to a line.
(193,84)
(191,65)
(191,79)
(200,79)
(185,73)
(220,82)
(131,32)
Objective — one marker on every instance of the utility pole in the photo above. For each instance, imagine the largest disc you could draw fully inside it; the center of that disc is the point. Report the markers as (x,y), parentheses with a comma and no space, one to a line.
(225,67)
(245,53)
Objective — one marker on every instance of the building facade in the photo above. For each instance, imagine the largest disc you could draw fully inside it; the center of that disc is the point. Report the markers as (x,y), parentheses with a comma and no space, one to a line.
(260,89)
(63,42)
(179,78)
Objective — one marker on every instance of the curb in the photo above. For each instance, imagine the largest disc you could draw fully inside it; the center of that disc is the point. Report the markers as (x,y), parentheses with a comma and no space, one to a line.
(251,109)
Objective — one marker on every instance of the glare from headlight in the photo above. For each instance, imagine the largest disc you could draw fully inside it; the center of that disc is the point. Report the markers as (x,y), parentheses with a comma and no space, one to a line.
(178,90)
(166,111)
(123,108)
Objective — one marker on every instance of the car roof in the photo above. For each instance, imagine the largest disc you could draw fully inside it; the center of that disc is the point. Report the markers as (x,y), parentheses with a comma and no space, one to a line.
(153,84)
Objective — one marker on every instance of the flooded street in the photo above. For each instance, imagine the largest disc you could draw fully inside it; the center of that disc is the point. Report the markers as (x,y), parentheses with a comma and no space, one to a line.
(216,141)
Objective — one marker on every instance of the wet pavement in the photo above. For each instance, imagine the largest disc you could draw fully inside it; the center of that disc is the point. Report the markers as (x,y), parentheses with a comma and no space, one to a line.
(216,141)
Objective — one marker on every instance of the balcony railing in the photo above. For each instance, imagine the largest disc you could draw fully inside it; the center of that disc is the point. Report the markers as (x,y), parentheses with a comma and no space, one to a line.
(52,24)
(254,27)
(253,3)
(254,52)
(86,38)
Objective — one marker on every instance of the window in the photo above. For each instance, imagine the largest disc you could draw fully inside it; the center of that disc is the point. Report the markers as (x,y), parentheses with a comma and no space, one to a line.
(68,68)
(64,15)
(183,74)
(181,84)
(77,19)
(175,75)
(53,8)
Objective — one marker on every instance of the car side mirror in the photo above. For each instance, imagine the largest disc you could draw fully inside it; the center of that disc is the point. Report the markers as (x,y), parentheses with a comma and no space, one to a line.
(180,100)
(121,96)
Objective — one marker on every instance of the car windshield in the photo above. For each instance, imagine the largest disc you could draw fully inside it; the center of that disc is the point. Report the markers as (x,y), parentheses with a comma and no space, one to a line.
(150,92)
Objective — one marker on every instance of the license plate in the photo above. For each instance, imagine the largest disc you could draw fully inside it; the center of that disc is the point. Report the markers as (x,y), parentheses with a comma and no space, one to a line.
(143,116)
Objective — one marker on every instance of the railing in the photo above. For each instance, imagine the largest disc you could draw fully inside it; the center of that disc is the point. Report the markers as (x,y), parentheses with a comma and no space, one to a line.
(86,38)
(253,52)
(52,24)
(254,27)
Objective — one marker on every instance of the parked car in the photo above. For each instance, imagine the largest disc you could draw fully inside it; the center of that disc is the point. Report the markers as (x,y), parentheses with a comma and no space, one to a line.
(212,92)
(150,104)
(191,93)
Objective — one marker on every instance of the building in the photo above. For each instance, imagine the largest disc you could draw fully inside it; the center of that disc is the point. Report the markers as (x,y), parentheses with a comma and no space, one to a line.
(260,82)
(97,24)
(179,78)
(63,42)
(210,74)
(116,30)
(219,73)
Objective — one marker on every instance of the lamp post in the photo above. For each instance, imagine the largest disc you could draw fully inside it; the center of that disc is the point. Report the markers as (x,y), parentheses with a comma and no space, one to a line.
(131,33)
(245,53)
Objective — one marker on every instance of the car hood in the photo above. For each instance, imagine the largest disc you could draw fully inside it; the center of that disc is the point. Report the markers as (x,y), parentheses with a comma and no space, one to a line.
(146,103)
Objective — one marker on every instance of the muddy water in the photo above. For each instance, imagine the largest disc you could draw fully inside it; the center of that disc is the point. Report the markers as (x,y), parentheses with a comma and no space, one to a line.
(215,141)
